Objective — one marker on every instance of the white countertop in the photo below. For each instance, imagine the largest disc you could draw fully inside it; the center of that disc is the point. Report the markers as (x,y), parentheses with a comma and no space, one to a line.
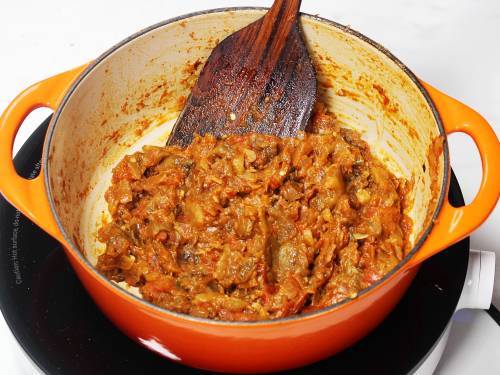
(452,44)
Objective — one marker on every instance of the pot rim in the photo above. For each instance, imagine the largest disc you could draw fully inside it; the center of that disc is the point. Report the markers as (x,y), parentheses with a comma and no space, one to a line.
(259,323)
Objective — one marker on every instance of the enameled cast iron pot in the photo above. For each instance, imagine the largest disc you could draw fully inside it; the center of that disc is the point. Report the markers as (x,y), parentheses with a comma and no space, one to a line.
(130,96)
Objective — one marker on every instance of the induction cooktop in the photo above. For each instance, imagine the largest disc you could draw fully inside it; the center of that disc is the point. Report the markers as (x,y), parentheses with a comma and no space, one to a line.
(63,331)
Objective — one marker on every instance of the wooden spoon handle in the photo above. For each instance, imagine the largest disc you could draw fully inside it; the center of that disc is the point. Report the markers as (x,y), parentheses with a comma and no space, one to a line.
(289,8)
(275,28)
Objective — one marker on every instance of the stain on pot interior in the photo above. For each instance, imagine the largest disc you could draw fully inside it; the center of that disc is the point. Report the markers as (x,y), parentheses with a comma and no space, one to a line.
(134,95)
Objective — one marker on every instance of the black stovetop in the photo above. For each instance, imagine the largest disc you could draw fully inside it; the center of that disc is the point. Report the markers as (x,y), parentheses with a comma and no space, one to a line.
(63,331)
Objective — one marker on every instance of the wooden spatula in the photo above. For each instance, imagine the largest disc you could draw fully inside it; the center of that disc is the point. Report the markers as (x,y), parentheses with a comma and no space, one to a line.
(259,79)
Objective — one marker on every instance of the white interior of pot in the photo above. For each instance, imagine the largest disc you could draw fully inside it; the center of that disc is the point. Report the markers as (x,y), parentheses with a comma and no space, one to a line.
(132,97)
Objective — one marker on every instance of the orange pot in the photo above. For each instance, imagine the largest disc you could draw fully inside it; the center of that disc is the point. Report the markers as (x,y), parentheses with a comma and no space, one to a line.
(129,97)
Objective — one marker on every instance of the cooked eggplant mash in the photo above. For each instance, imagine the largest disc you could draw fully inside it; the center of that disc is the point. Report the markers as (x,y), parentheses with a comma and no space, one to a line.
(253,227)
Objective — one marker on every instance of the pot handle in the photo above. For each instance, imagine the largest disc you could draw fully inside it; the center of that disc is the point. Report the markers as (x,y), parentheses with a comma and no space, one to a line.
(455,223)
(30,196)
